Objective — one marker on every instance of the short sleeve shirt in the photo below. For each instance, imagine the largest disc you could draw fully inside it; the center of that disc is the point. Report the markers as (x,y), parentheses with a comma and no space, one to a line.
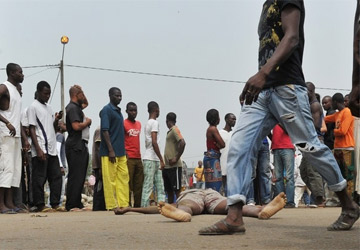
(113,122)
(151,126)
(74,114)
(171,146)
(42,118)
(132,138)
(271,33)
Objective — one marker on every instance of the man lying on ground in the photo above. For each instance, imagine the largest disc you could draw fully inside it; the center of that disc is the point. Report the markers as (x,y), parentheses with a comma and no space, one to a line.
(198,201)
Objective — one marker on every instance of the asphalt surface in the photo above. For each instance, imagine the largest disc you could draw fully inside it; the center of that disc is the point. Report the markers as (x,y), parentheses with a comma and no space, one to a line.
(297,228)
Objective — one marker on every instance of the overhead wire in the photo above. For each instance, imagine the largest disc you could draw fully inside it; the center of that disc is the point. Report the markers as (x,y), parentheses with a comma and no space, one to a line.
(174,76)
(151,74)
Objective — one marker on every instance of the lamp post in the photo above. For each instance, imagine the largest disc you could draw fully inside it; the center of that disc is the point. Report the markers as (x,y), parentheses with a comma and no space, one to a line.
(64,40)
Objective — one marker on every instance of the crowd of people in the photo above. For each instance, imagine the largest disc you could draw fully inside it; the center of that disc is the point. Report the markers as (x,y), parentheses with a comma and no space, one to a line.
(277,105)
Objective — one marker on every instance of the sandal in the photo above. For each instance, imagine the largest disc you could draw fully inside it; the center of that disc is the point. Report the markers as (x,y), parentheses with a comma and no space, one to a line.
(228,230)
(21,210)
(340,225)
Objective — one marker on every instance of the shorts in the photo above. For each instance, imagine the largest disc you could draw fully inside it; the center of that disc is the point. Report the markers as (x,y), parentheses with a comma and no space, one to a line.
(10,161)
(172,179)
(207,199)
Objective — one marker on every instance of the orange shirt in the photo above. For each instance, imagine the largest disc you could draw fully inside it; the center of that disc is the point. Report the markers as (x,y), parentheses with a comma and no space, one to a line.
(344,128)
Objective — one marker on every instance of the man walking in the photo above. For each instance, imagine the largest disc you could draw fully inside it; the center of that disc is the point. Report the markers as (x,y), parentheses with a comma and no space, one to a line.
(112,151)
(277,94)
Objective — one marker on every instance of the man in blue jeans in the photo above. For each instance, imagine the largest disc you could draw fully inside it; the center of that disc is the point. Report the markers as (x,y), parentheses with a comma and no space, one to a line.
(277,94)
(284,161)
(260,188)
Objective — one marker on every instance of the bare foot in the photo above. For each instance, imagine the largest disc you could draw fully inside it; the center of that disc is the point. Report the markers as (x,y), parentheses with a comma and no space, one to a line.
(121,210)
(173,213)
(273,207)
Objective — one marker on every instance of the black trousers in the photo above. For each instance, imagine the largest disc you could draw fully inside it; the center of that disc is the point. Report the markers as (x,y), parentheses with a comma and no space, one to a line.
(99,200)
(78,160)
(42,171)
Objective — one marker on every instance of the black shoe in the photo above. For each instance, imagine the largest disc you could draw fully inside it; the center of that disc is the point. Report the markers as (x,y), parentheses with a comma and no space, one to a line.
(289,206)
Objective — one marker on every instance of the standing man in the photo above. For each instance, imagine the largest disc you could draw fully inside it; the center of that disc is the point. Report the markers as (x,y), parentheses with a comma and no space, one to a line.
(344,139)
(132,147)
(225,133)
(152,160)
(174,148)
(277,94)
(98,197)
(112,151)
(200,177)
(77,153)
(309,175)
(45,162)
(329,134)
(11,134)
(284,162)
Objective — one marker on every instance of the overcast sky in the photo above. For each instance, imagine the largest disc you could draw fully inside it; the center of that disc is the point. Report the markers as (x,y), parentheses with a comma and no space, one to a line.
(205,39)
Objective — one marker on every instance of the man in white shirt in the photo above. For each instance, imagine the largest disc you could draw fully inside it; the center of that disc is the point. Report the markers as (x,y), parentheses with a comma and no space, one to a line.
(45,161)
(152,160)
(225,133)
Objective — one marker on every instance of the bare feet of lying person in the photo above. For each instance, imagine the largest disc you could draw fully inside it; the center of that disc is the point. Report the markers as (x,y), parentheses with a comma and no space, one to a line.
(273,207)
(172,212)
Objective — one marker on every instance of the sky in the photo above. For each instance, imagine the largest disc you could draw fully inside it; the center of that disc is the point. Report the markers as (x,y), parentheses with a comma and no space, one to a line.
(202,39)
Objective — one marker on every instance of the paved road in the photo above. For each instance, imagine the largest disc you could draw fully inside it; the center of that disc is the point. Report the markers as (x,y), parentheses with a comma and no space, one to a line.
(301,228)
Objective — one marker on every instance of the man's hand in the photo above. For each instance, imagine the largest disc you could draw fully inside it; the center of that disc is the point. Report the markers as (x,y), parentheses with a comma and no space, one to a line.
(162,165)
(252,88)
(11,128)
(112,157)
(173,161)
(26,146)
(62,169)
(40,154)
(88,121)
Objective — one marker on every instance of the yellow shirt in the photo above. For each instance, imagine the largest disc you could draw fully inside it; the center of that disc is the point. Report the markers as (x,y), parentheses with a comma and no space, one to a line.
(198,171)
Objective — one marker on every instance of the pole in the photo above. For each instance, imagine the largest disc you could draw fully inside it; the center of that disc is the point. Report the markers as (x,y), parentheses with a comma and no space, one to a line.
(62,86)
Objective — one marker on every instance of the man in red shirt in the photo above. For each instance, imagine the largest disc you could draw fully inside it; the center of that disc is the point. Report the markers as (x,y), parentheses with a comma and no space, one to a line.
(284,159)
(132,147)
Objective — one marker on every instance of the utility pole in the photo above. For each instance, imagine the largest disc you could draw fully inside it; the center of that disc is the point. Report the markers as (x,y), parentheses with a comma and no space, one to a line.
(64,40)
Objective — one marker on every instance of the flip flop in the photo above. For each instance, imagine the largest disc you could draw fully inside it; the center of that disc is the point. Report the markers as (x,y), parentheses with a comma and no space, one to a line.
(9,211)
(229,229)
(20,210)
(340,225)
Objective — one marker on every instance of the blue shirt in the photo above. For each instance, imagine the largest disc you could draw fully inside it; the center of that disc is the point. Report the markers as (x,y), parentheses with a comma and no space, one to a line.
(113,122)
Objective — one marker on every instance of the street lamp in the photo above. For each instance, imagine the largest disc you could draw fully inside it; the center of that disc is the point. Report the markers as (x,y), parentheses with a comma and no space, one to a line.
(64,40)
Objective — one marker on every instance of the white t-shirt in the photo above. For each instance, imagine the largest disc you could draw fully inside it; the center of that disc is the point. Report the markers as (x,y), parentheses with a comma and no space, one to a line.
(226,136)
(42,117)
(13,113)
(151,126)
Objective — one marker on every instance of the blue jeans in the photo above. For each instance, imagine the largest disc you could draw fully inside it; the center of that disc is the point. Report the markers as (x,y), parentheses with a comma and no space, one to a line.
(284,161)
(263,172)
(289,106)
